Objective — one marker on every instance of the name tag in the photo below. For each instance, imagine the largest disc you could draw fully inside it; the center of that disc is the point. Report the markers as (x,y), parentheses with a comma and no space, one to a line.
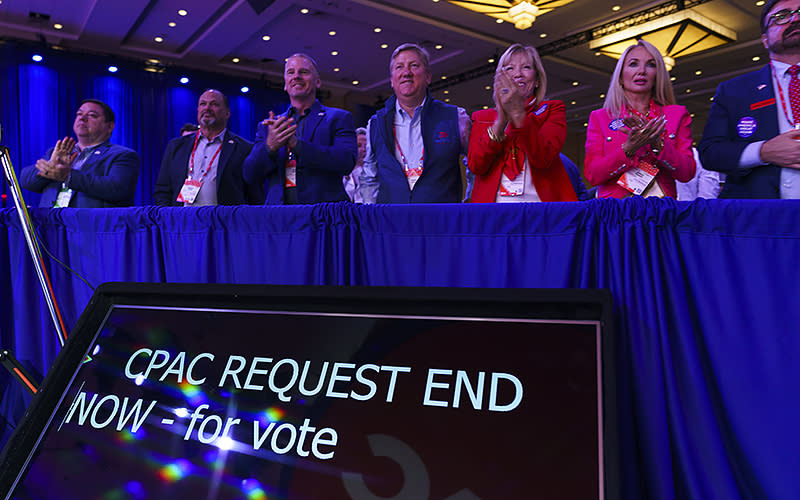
(291,174)
(514,187)
(189,191)
(412,174)
(638,179)
(63,198)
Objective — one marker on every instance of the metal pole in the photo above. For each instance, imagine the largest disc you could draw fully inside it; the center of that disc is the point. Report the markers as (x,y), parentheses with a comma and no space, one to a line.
(24,218)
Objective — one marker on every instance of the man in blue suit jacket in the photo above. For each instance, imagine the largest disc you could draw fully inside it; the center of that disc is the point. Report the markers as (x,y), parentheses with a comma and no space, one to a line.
(92,173)
(205,168)
(750,132)
(304,153)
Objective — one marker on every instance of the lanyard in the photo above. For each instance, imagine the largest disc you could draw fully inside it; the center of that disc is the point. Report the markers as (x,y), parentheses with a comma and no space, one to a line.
(191,161)
(652,111)
(794,122)
(405,163)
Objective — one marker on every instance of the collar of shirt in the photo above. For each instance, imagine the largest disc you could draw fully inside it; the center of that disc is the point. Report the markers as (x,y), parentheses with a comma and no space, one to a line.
(219,136)
(402,116)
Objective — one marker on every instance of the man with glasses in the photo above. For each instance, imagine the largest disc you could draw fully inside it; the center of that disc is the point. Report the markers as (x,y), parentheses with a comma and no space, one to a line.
(753,130)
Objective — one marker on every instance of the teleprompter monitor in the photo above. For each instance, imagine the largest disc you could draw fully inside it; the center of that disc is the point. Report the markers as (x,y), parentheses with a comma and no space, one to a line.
(290,392)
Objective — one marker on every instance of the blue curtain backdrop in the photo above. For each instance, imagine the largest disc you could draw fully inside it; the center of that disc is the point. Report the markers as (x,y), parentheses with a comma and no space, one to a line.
(40,100)
(706,310)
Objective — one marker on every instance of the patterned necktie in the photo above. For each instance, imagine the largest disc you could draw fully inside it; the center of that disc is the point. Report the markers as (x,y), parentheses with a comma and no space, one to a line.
(794,94)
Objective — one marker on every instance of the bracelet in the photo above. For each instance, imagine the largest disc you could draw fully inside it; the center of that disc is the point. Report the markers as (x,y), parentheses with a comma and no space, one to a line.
(493,137)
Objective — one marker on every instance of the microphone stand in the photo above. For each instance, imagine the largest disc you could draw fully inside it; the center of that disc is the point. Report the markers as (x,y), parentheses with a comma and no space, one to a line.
(38,263)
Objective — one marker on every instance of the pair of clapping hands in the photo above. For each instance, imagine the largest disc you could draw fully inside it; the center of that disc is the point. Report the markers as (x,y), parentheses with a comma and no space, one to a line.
(59,166)
(510,101)
(643,132)
(281,131)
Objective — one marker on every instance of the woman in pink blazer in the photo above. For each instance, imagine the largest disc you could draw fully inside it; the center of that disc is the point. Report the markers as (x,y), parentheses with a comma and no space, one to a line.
(640,141)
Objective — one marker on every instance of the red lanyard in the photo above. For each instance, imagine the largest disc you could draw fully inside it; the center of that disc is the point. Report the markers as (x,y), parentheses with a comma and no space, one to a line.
(405,163)
(191,161)
(794,122)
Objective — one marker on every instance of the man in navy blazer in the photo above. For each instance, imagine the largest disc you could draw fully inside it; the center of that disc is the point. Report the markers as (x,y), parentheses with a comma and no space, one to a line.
(205,168)
(87,173)
(304,153)
(751,129)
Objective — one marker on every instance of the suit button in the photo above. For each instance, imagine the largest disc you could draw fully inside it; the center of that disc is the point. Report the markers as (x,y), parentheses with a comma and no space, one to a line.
(671,136)
(608,138)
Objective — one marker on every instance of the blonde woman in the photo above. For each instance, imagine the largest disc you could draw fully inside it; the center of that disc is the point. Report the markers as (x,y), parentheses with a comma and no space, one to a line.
(640,141)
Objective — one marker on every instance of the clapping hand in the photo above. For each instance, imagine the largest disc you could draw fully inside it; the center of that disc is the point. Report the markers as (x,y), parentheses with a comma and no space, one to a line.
(280,132)
(509,99)
(59,166)
(642,133)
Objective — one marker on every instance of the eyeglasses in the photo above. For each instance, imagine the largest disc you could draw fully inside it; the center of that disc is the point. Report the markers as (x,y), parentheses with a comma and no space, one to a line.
(783,16)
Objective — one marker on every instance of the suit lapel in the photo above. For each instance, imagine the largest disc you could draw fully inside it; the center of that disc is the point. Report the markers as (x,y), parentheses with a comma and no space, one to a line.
(228,146)
(314,118)
(95,156)
(762,103)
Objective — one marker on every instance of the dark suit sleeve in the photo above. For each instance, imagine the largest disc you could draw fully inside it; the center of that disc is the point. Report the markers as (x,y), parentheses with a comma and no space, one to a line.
(260,162)
(163,193)
(719,149)
(339,157)
(29,177)
(117,184)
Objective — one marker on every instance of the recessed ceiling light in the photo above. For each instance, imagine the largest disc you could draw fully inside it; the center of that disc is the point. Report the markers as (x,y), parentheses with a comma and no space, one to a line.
(245,90)
(672,78)
(58,26)
(598,53)
(335,53)
(336,69)
(235,59)
(756,58)
(486,107)
(488,87)
(438,47)
(760,3)
(444,77)
(572,102)
(113,69)
(36,58)
(171,24)
(355,82)
(184,80)
(542,35)
(698,72)
(692,115)
(499,21)
(332,33)
(377,30)
(491,60)
(602,96)
(615,8)
(266,38)
(688,90)
(153,61)
(575,84)
(711,98)
(182,12)
(446,91)
(585,124)
(447,100)
(304,11)
(158,39)
(384,46)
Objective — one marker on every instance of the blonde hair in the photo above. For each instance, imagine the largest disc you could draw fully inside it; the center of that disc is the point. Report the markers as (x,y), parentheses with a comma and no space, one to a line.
(662,92)
(540,88)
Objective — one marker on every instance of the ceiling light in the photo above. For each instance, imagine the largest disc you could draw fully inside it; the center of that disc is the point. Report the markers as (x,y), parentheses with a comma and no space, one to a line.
(235,59)
(384,46)
(491,60)
(615,8)
(573,102)
(336,69)
(760,3)
(153,61)
(304,11)
(36,58)
(377,30)
(158,39)
(266,38)
(113,69)
(672,78)
(542,35)
(486,107)
(332,33)
(698,72)
(335,53)
(691,114)
(575,84)
(488,87)
(756,58)
(447,100)
(446,91)
(711,98)
(598,53)
(444,77)
(688,90)
(438,47)
(602,96)
(58,26)
(182,12)
(499,21)
(184,80)
(676,35)
(585,124)
(355,82)
(245,89)
(171,24)
(521,13)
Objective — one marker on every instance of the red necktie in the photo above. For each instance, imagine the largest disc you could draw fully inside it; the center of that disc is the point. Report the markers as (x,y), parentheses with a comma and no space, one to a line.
(794,93)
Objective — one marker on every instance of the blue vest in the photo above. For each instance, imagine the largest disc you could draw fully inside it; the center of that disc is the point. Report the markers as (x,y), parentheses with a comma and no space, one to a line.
(440,181)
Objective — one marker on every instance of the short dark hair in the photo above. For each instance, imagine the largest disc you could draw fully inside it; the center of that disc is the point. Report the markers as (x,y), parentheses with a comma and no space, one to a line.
(767,7)
(189,127)
(224,97)
(108,113)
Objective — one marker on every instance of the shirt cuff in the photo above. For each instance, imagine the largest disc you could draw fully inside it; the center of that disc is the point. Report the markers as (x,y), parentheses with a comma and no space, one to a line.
(751,156)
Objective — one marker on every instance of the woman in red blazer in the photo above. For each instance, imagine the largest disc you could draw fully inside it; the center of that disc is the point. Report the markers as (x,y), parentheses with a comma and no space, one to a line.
(640,141)
(513,149)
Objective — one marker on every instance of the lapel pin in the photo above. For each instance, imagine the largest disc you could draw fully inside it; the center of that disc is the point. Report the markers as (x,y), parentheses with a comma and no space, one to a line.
(230,141)
(761,87)
(321,113)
